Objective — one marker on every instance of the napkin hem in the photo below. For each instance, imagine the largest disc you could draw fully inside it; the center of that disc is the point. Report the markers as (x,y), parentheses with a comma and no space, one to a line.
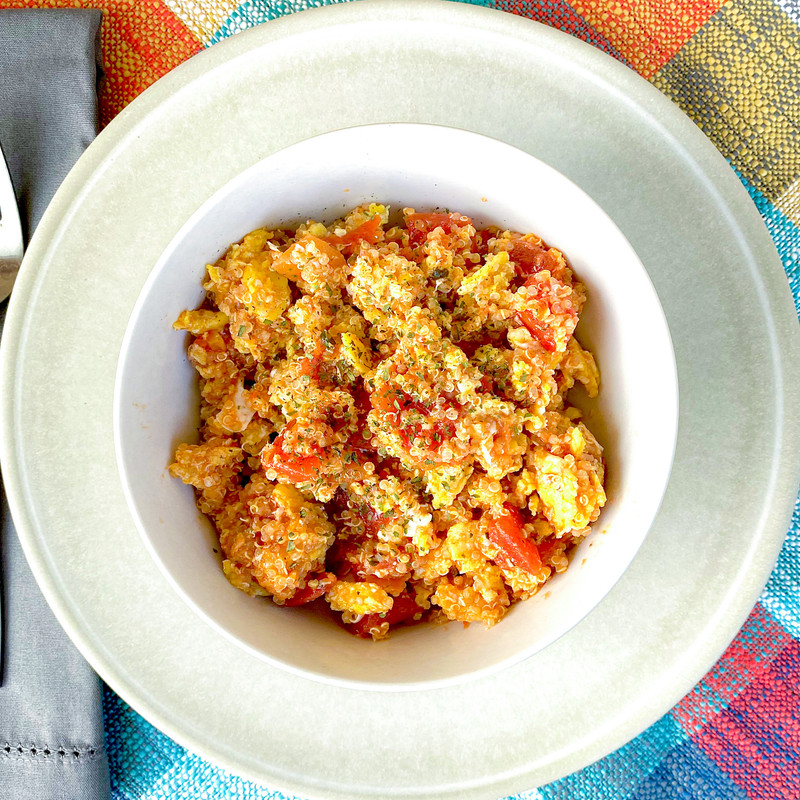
(33,752)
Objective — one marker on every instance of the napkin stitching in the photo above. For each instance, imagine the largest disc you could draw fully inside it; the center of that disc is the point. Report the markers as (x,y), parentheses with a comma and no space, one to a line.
(45,753)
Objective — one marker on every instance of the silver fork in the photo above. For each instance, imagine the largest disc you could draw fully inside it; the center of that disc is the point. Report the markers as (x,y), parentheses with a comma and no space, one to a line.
(10,256)
(10,231)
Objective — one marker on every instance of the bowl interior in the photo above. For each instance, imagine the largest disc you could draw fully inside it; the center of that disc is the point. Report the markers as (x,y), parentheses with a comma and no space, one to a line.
(426,167)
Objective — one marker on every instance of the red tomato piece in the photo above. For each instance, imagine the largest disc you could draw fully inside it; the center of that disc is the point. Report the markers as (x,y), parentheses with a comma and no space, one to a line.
(539,330)
(293,467)
(420,225)
(471,346)
(361,400)
(298,469)
(402,610)
(309,593)
(337,561)
(506,533)
(358,443)
(530,258)
(356,557)
(368,231)
(487,384)
(544,292)
(311,366)
(362,449)
(548,547)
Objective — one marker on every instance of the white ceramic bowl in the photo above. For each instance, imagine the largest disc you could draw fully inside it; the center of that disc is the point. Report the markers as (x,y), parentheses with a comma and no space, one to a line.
(423,166)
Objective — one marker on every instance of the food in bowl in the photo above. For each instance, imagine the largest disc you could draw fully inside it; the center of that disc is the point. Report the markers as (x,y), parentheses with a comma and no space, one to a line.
(384,421)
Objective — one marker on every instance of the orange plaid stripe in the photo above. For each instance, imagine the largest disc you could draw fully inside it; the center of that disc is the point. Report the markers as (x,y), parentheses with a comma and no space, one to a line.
(141,39)
(647,32)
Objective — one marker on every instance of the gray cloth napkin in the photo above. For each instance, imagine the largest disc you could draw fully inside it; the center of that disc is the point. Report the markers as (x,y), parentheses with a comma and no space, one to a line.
(51,724)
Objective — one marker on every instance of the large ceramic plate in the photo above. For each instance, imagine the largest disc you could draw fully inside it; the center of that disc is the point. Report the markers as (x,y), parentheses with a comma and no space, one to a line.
(722,289)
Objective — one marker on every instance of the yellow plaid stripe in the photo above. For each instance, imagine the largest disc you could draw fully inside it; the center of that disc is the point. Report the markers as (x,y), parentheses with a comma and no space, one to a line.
(738,79)
(789,201)
(202,17)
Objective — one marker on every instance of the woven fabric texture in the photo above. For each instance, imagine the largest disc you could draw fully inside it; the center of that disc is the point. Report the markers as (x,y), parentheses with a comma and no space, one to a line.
(734,67)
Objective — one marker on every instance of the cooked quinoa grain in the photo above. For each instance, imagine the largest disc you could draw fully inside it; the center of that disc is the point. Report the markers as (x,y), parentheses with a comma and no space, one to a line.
(384,424)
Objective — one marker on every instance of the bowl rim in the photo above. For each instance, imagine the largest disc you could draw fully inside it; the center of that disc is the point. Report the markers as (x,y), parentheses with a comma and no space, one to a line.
(318,675)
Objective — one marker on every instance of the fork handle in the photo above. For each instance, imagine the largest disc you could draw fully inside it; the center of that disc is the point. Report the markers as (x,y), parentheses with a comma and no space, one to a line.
(8,274)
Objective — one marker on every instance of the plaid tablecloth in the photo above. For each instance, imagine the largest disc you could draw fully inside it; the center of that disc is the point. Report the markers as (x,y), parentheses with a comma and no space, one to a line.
(734,67)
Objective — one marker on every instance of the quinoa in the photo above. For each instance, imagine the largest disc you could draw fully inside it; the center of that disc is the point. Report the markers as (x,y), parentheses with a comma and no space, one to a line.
(384,417)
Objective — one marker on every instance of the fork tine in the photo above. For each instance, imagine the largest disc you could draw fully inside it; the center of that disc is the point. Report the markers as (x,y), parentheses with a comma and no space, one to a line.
(11,247)
(11,244)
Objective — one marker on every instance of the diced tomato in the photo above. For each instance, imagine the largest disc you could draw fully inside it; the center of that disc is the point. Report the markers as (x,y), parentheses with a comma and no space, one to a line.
(358,443)
(298,469)
(368,231)
(292,466)
(507,534)
(311,366)
(309,593)
(361,399)
(544,292)
(487,384)
(548,547)
(402,610)
(350,559)
(362,449)
(420,225)
(531,258)
(539,330)
(336,559)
